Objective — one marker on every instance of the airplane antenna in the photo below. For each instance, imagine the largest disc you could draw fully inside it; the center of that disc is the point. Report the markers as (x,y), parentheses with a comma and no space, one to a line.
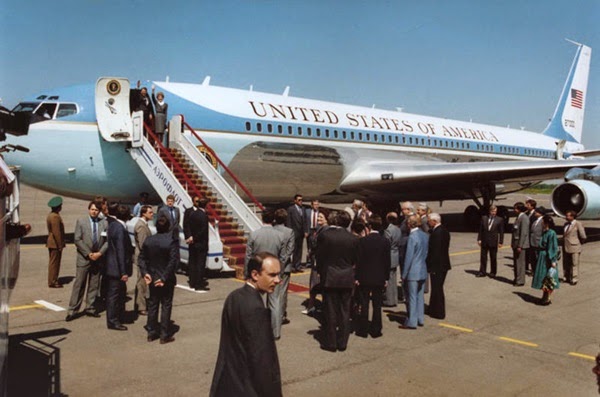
(522,128)
(206,81)
(574,42)
(251,87)
(373,107)
(399,109)
(286,92)
(167,79)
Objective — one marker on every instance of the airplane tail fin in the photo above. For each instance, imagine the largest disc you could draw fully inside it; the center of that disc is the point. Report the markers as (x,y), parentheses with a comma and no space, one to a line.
(567,122)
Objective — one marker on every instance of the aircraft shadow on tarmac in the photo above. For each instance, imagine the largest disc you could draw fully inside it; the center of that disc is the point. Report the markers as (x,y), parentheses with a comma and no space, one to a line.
(34,364)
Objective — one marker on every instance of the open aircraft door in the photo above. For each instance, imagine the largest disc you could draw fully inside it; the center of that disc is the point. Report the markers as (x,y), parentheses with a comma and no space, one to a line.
(112,109)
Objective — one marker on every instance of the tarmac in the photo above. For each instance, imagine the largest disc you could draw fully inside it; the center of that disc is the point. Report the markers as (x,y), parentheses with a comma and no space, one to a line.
(495,339)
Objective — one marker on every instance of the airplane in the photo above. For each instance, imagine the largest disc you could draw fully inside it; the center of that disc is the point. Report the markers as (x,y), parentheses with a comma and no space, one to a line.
(280,145)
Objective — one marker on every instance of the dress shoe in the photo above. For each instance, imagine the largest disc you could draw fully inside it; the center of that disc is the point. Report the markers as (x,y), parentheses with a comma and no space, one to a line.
(402,326)
(285,321)
(119,327)
(329,349)
(93,313)
(142,312)
(202,288)
(70,317)
(492,275)
(574,282)
(377,335)
(152,338)
(55,286)
(518,284)
(480,274)
(168,339)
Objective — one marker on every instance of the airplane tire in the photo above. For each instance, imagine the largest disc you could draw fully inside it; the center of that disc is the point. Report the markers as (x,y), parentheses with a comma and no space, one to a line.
(472,216)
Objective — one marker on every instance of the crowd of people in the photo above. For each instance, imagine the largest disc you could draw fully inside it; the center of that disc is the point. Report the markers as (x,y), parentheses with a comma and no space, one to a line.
(535,247)
(106,256)
(359,264)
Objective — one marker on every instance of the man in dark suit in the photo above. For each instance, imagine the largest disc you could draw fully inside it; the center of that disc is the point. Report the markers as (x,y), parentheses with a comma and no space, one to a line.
(490,238)
(158,260)
(247,364)
(310,226)
(119,267)
(171,211)
(91,247)
(372,273)
(295,222)
(195,230)
(536,229)
(336,254)
(438,264)
(531,252)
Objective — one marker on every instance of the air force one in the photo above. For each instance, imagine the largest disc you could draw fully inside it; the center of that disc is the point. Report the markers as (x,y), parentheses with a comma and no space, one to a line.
(82,138)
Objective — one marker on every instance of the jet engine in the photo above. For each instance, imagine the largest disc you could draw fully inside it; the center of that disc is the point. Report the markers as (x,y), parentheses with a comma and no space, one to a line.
(579,195)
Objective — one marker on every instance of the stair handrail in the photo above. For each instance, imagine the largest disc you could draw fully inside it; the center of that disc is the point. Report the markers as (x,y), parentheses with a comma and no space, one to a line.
(175,163)
(231,174)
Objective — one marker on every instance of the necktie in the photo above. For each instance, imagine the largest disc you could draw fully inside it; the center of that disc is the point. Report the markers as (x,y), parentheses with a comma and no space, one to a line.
(490,223)
(567,227)
(172,214)
(95,234)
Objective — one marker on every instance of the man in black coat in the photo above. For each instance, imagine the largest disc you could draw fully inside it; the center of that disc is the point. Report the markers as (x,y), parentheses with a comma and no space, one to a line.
(490,238)
(158,260)
(247,364)
(337,253)
(195,230)
(438,264)
(372,273)
(295,221)
(119,267)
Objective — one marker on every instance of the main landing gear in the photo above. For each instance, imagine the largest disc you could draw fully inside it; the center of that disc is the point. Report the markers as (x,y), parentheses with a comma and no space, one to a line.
(473,213)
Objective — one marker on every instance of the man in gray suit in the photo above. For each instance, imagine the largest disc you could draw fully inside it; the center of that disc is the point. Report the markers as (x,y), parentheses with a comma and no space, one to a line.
(519,243)
(414,274)
(171,212)
(91,246)
(536,229)
(573,237)
(265,239)
(394,236)
(278,299)
(141,231)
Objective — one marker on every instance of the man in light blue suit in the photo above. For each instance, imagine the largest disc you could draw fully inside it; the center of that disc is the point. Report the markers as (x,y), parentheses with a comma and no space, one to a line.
(414,274)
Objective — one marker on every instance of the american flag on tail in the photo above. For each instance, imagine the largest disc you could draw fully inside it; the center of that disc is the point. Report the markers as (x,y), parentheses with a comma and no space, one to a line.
(576,98)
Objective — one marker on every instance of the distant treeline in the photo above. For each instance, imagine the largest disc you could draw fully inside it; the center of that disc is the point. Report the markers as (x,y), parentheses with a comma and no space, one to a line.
(542,188)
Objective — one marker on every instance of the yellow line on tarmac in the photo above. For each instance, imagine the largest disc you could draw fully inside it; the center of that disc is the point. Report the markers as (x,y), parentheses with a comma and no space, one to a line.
(518,341)
(582,356)
(456,327)
(472,251)
(24,307)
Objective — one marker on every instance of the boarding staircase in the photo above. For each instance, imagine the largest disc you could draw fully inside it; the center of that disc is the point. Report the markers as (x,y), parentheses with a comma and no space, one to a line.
(183,169)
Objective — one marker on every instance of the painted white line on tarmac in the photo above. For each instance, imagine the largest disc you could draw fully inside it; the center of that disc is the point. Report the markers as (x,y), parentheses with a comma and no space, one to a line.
(185,287)
(50,306)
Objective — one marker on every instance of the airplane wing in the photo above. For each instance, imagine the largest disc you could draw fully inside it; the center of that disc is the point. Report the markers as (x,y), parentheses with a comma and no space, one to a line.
(446,181)
(587,153)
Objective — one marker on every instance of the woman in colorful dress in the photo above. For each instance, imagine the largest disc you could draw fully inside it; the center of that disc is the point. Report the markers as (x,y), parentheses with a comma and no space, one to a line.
(546,272)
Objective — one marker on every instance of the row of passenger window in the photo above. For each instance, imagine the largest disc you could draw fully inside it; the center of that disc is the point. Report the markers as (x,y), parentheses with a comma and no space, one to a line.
(392,138)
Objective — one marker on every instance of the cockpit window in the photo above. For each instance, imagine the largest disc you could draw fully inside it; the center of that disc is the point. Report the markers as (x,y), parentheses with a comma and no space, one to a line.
(66,109)
(46,110)
(27,107)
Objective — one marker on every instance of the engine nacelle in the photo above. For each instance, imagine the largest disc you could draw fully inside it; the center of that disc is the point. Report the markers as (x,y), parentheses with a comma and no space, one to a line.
(579,195)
